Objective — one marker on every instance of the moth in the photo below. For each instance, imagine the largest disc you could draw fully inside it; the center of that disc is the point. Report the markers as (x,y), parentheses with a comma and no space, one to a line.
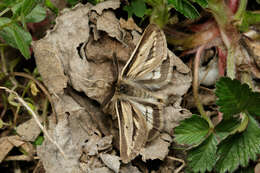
(135,99)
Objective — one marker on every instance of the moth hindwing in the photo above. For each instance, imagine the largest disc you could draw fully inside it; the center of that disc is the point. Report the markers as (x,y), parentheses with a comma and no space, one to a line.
(137,107)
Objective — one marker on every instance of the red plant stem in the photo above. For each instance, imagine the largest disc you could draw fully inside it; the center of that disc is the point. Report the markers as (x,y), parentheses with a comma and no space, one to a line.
(196,86)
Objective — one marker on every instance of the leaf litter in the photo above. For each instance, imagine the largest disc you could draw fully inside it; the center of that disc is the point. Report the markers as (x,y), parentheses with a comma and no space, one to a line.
(79,75)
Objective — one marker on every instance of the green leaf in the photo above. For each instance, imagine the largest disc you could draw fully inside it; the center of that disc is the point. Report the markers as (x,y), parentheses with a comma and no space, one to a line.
(39,140)
(129,10)
(253,105)
(185,8)
(238,149)
(202,3)
(137,7)
(226,127)
(191,131)
(27,7)
(258,1)
(203,157)
(51,6)
(20,42)
(37,14)
(234,97)
(15,36)
(249,18)
(23,8)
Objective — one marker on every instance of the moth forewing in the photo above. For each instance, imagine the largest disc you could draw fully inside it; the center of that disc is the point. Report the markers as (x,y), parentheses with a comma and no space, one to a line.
(159,77)
(149,53)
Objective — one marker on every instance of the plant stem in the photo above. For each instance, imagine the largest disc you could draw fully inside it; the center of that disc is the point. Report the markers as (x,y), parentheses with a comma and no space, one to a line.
(229,33)
(231,63)
(3,60)
(196,86)
(241,9)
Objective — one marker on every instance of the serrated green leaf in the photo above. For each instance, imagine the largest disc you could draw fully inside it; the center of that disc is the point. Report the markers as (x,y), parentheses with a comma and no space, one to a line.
(226,127)
(253,105)
(185,8)
(15,36)
(202,3)
(233,97)
(203,157)
(238,149)
(191,131)
(36,15)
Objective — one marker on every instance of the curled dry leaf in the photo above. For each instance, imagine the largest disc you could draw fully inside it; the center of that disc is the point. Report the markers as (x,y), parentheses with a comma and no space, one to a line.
(108,22)
(111,161)
(113,4)
(157,149)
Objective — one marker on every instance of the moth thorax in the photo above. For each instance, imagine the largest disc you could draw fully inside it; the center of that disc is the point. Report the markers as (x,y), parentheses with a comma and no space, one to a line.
(123,89)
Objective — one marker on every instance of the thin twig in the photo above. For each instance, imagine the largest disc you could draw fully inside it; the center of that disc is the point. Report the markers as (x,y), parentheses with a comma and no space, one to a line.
(179,160)
(36,119)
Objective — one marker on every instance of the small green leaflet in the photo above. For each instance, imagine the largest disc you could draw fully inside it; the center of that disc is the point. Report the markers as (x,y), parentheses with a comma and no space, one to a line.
(203,157)
(137,7)
(234,97)
(39,140)
(15,36)
(226,127)
(185,8)
(36,15)
(238,149)
(191,131)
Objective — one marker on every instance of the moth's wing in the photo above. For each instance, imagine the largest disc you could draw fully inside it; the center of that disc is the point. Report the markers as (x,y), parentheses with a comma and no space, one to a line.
(132,130)
(158,77)
(152,111)
(149,54)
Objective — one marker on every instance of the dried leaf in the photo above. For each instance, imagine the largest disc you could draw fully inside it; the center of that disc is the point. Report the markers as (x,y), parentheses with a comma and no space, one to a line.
(157,149)
(29,130)
(111,161)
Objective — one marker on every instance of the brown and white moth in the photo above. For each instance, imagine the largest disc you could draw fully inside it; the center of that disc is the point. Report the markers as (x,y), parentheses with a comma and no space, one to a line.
(138,108)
